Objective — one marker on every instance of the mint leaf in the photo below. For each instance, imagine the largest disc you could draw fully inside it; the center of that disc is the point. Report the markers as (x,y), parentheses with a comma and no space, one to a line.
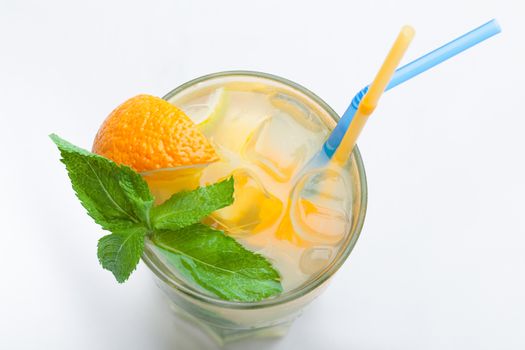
(189,207)
(218,263)
(120,252)
(115,196)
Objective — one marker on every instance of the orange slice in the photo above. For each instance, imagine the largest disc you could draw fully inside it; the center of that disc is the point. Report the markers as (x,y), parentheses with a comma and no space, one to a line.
(148,133)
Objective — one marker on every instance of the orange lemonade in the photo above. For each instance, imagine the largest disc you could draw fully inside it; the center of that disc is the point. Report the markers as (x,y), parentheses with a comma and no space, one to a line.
(263,133)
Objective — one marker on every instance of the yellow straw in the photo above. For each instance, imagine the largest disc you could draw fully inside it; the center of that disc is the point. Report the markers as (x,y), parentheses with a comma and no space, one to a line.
(376,89)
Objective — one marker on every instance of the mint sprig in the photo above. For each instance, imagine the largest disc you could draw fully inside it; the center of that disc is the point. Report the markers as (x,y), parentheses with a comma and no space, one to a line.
(119,200)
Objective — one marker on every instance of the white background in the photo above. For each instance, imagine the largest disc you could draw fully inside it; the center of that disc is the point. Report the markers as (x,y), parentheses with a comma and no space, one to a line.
(441,260)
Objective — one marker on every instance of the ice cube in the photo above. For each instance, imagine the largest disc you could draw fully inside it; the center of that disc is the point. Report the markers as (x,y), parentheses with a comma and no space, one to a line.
(253,209)
(243,111)
(301,113)
(320,209)
(280,144)
(315,259)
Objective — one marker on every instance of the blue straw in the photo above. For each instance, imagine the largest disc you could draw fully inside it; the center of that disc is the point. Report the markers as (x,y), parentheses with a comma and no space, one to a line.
(405,73)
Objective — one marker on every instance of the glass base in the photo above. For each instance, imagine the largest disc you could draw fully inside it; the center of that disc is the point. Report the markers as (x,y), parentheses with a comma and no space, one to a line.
(222,336)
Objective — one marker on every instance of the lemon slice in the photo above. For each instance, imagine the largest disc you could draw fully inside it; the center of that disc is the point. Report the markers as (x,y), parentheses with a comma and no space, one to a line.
(207,113)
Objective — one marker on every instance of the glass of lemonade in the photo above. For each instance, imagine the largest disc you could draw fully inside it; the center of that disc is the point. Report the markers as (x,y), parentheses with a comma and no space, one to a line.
(265,128)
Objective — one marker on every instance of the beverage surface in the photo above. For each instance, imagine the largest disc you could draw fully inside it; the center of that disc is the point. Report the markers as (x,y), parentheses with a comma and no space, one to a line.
(264,132)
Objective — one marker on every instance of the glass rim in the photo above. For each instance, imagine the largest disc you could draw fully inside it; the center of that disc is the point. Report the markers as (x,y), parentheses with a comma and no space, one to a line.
(322,277)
